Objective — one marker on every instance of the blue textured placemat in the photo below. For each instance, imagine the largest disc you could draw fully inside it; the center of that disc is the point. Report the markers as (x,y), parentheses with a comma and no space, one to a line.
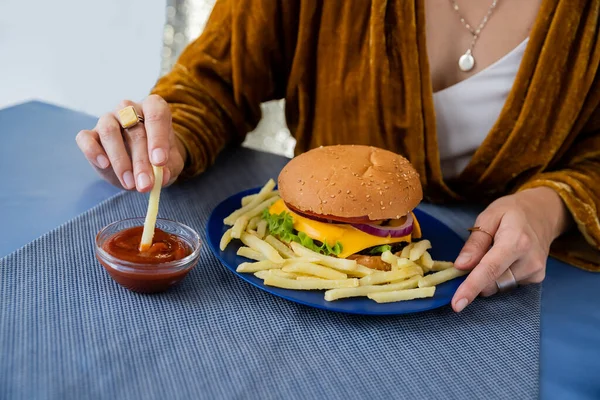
(67,331)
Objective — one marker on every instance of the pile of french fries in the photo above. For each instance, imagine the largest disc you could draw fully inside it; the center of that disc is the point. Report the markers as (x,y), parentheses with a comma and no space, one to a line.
(413,275)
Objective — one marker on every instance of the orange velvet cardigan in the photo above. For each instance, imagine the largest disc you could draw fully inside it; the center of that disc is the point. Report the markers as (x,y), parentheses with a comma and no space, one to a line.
(356,71)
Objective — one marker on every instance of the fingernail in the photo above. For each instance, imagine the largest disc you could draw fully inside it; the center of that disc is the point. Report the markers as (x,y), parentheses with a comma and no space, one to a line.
(461,304)
(158,156)
(128,180)
(463,259)
(143,180)
(102,161)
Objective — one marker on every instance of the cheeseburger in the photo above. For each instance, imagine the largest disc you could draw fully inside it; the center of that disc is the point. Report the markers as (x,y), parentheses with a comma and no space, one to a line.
(347,201)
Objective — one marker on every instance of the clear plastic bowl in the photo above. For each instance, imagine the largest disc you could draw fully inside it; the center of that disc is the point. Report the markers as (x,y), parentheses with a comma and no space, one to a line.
(146,277)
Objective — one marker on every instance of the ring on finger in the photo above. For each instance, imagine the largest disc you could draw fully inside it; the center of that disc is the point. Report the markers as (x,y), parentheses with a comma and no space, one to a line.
(479,229)
(128,117)
(506,281)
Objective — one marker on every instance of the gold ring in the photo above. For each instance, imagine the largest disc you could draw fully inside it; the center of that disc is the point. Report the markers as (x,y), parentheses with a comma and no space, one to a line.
(128,117)
(478,229)
(506,281)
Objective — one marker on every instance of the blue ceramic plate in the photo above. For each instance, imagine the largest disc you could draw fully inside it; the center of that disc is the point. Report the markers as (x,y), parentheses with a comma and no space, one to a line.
(445,246)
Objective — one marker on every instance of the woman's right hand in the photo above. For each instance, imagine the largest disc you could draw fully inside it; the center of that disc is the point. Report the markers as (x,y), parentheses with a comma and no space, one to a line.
(124,157)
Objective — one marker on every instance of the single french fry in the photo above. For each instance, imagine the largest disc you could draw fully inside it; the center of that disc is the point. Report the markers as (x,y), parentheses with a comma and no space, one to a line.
(341,264)
(257,210)
(402,295)
(278,245)
(225,239)
(250,253)
(342,293)
(253,223)
(441,277)
(361,271)
(379,277)
(426,262)
(152,212)
(261,229)
(319,271)
(309,284)
(441,265)
(240,226)
(264,273)
(418,249)
(405,253)
(261,246)
(255,201)
(257,266)
(247,199)
(390,258)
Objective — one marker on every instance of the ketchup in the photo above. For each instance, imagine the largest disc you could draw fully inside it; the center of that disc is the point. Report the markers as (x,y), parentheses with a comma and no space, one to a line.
(151,272)
(165,247)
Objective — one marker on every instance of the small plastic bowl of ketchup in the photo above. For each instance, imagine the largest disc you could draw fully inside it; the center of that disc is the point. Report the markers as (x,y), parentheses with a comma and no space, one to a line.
(175,251)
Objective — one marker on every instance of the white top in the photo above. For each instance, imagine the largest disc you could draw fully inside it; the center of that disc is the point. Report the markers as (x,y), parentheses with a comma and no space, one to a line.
(466,111)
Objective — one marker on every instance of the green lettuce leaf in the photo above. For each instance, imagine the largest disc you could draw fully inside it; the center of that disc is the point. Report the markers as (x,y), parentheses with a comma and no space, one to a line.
(282,227)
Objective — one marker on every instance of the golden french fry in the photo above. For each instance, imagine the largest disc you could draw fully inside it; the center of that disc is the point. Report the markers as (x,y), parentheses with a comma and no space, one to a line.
(342,293)
(441,277)
(278,245)
(253,223)
(250,253)
(247,199)
(264,273)
(406,250)
(261,246)
(255,201)
(240,226)
(261,229)
(225,239)
(319,271)
(379,277)
(341,264)
(418,249)
(441,265)
(361,271)
(256,211)
(389,258)
(152,212)
(309,284)
(402,295)
(426,262)
(257,266)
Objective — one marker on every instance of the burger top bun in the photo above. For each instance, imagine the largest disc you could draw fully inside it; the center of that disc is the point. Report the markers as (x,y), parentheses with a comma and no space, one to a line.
(351,181)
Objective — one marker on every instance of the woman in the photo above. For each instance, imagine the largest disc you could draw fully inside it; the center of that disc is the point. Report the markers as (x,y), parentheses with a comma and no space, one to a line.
(494,101)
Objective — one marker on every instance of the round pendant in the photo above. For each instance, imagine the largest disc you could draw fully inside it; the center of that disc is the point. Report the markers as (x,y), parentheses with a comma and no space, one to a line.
(466,62)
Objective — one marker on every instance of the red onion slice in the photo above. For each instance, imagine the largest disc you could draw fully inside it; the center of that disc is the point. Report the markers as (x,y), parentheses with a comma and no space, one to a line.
(388,231)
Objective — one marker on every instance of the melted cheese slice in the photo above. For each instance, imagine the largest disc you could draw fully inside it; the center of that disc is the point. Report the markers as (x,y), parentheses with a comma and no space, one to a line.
(352,239)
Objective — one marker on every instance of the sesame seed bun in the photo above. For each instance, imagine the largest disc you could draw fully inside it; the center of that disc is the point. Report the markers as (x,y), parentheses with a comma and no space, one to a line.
(350,183)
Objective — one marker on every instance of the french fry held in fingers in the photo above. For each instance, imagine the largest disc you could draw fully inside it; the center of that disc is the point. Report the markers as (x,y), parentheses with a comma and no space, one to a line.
(261,246)
(441,277)
(402,295)
(341,264)
(250,253)
(379,277)
(285,251)
(363,291)
(309,284)
(319,271)
(257,266)
(261,196)
(152,212)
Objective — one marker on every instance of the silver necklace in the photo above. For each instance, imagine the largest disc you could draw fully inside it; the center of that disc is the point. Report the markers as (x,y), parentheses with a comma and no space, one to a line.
(466,62)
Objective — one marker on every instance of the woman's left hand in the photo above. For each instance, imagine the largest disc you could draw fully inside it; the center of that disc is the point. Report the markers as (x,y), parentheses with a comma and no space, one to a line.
(523,226)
